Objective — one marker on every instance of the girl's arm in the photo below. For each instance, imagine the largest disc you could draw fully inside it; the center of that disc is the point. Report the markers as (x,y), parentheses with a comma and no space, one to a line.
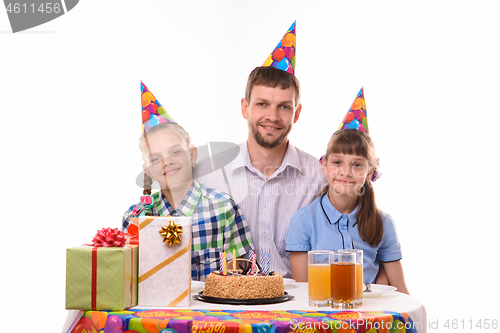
(298,264)
(382,275)
(394,271)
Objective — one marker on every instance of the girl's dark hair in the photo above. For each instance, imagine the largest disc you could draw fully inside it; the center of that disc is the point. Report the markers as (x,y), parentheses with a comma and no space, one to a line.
(355,142)
(148,182)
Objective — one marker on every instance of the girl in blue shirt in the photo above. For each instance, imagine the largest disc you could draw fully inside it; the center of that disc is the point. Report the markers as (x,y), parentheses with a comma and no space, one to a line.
(345,216)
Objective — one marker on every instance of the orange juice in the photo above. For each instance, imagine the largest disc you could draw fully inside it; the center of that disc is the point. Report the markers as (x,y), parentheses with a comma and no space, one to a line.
(319,282)
(343,286)
(359,281)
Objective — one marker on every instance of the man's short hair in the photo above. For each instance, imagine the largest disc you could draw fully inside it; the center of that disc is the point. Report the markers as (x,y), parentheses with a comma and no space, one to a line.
(272,77)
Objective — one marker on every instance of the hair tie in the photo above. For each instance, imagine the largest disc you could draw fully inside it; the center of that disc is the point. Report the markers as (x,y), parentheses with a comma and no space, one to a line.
(376,171)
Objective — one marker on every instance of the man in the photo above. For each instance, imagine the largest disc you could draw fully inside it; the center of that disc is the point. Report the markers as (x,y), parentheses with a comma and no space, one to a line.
(267,176)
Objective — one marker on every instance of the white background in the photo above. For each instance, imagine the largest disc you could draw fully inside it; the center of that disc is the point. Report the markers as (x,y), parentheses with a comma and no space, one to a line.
(70,120)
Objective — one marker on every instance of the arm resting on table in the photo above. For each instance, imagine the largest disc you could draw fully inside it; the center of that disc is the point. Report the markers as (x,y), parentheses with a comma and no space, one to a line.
(395,274)
(298,264)
(382,275)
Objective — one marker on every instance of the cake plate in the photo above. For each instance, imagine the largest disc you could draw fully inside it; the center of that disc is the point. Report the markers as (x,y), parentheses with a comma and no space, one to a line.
(236,301)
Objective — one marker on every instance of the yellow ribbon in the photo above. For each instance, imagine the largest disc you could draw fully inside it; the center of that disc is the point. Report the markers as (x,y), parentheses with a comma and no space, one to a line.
(179,298)
(164,263)
(145,223)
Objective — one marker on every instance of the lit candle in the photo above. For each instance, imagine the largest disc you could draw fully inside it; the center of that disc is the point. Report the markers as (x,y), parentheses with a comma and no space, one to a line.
(268,263)
(262,261)
(234,261)
(224,264)
(220,260)
(254,261)
(250,256)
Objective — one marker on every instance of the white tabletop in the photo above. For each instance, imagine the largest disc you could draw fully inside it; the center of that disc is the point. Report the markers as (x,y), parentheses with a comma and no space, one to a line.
(390,301)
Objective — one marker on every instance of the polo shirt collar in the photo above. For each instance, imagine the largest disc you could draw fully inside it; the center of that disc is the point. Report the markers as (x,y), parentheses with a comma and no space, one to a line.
(187,205)
(335,216)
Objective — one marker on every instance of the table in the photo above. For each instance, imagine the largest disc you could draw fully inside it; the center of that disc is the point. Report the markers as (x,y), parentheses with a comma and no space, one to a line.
(394,310)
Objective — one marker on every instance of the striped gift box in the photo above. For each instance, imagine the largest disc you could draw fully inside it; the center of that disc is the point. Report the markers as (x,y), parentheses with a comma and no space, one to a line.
(164,271)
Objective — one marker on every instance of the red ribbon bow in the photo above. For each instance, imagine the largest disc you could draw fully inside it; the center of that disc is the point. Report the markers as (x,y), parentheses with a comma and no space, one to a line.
(109,238)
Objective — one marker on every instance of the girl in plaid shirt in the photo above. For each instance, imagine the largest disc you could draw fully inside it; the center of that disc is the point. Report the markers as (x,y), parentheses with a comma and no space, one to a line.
(218,223)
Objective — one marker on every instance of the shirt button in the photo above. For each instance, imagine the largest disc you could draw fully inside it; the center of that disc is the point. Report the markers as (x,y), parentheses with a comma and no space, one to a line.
(265,210)
(264,235)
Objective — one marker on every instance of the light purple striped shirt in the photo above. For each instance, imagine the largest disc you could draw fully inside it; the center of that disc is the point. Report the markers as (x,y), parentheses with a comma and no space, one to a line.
(267,204)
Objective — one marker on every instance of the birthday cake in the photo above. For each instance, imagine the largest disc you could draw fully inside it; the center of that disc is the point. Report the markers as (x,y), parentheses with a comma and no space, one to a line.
(242,285)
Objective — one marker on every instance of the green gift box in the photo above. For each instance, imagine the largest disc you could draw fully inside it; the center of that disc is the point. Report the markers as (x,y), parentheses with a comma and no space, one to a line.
(101,278)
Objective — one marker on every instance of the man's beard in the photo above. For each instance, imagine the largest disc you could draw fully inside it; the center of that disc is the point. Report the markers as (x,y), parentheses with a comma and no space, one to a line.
(261,141)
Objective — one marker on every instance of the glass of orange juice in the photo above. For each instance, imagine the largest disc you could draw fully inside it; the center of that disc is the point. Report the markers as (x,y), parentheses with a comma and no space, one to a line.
(343,279)
(319,277)
(359,274)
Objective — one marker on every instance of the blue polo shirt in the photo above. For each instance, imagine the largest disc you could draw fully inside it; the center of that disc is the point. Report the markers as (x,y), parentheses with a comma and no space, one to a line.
(310,229)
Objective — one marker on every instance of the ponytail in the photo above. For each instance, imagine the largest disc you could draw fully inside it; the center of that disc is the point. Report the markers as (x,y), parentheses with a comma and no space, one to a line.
(148,182)
(370,226)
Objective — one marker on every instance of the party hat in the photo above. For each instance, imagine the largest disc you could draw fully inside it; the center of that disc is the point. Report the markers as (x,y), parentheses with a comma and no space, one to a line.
(283,56)
(152,112)
(356,116)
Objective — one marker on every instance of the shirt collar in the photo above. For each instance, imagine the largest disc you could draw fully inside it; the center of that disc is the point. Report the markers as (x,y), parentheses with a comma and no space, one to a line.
(187,205)
(335,216)
(292,158)
(243,160)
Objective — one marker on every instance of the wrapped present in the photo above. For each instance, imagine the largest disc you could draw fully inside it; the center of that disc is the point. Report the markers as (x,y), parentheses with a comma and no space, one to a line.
(164,261)
(132,235)
(102,276)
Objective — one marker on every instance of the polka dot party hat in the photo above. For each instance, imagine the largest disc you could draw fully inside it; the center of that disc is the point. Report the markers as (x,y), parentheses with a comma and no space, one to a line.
(283,56)
(152,112)
(356,116)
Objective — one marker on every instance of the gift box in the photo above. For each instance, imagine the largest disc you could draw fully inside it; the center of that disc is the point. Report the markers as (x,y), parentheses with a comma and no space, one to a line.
(164,261)
(101,278)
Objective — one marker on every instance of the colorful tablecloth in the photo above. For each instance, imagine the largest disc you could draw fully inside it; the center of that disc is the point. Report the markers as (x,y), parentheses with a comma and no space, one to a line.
(241,321)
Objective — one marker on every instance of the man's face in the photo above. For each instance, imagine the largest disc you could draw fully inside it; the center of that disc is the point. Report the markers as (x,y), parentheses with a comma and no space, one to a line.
(271,112)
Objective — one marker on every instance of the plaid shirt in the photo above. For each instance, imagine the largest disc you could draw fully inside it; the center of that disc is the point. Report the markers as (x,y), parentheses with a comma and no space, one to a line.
(218,224)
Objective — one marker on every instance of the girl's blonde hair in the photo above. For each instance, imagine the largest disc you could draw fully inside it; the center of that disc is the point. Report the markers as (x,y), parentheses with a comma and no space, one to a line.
(148,181)
(355,142)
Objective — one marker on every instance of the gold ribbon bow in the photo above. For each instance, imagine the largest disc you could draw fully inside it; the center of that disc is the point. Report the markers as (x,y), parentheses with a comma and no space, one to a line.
(172,233)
